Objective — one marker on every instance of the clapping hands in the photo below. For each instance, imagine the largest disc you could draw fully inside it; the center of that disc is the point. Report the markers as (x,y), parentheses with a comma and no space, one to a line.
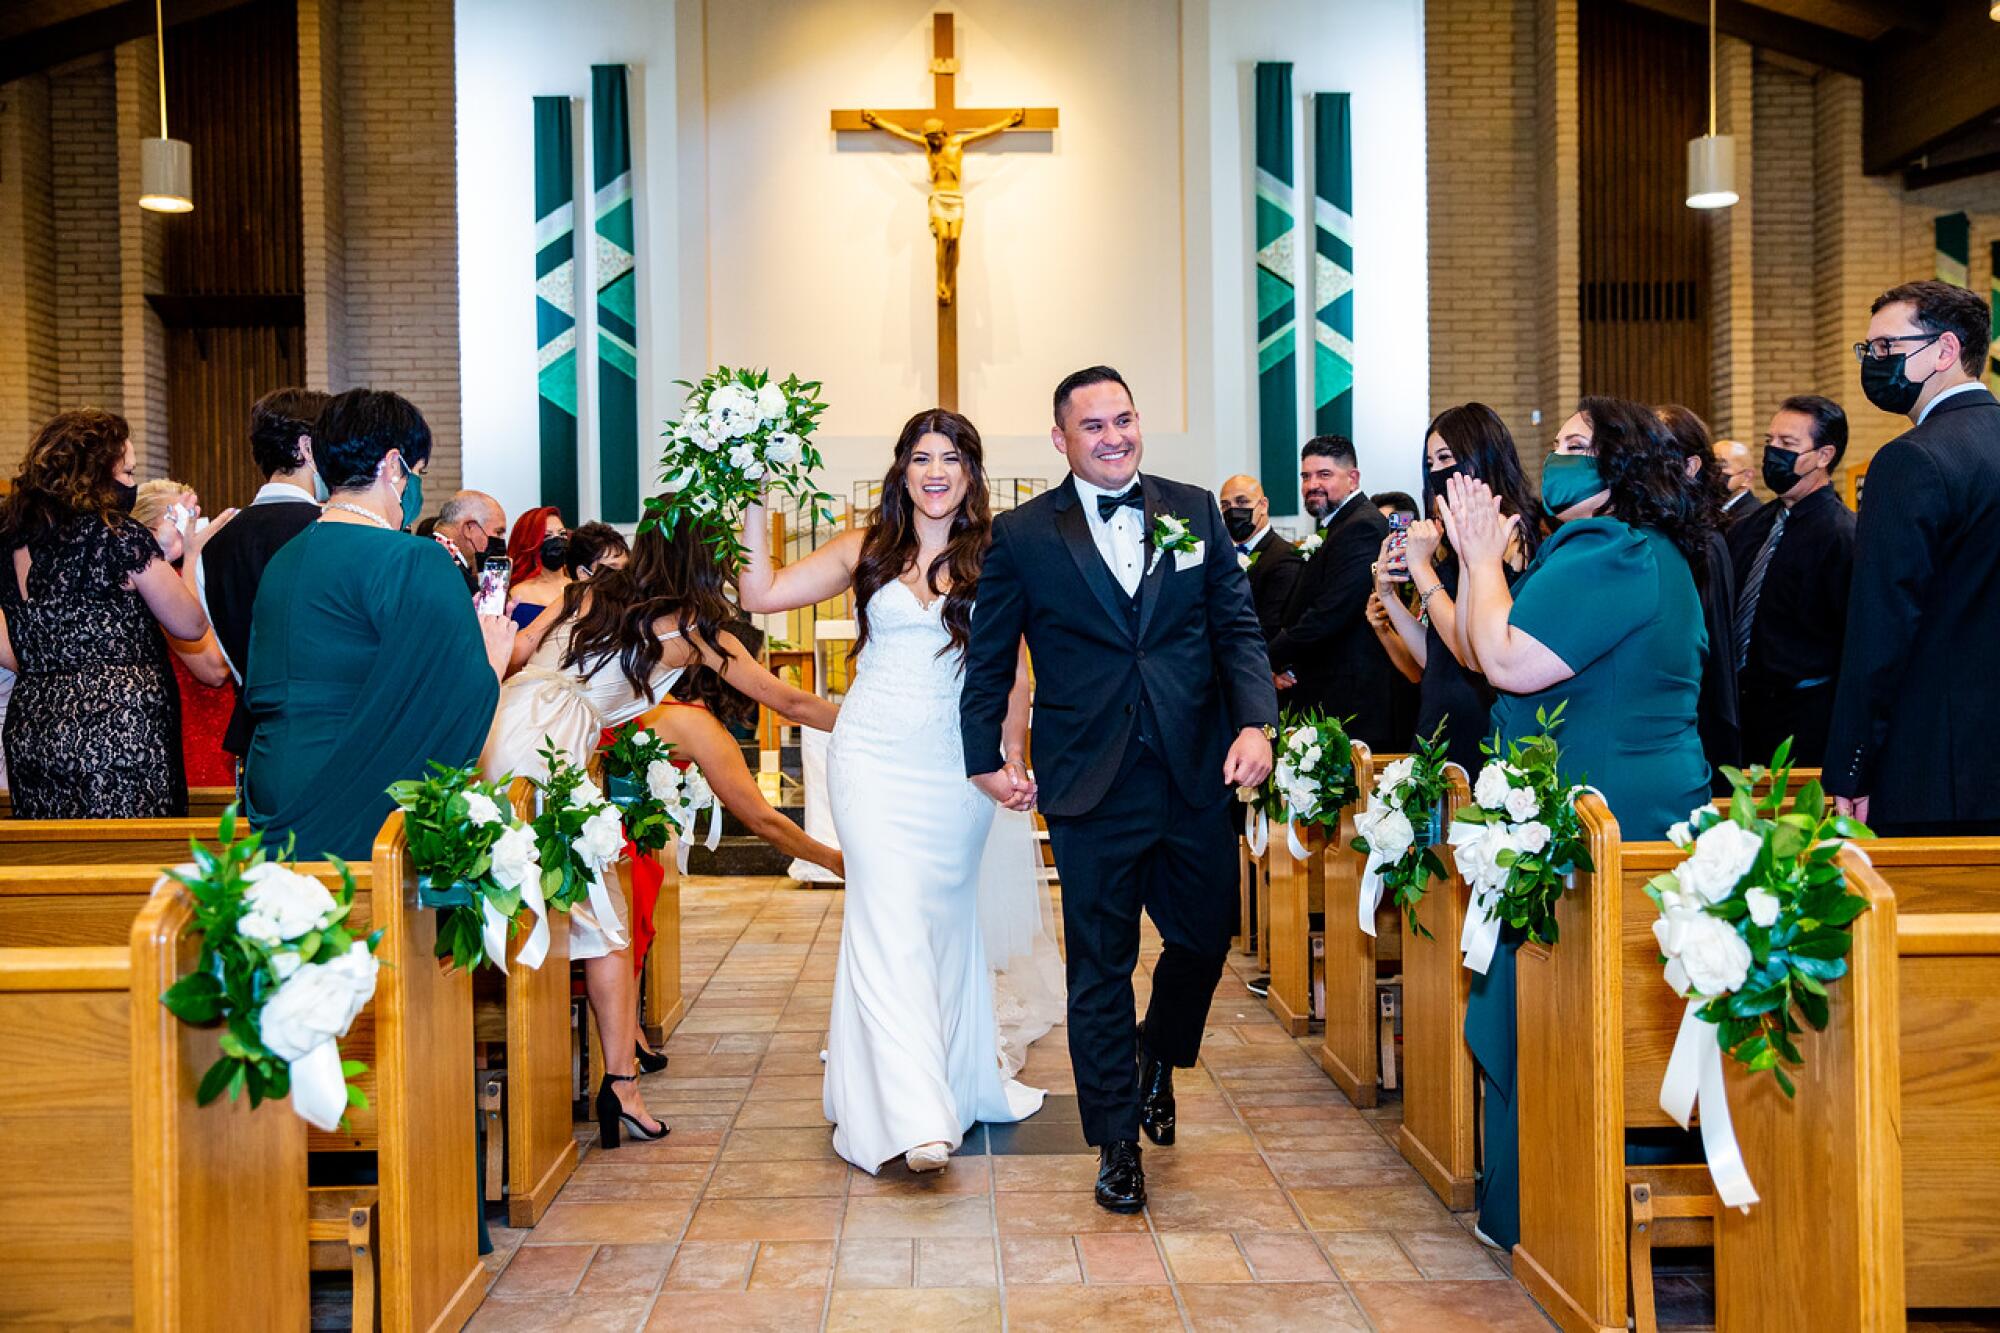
(1479,532)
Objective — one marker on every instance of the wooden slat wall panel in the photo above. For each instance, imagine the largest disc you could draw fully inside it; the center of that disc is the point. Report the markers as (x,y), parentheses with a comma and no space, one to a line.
(213,377)
(1643,293)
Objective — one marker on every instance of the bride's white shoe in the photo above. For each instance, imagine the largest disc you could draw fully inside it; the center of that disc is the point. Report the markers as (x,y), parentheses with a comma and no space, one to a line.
(928,1157)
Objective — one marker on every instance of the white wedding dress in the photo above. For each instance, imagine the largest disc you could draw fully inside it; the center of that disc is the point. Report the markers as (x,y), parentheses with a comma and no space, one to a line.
(912,1052)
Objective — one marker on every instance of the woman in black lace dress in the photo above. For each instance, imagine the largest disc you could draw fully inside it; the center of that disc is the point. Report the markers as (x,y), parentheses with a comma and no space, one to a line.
(93,730)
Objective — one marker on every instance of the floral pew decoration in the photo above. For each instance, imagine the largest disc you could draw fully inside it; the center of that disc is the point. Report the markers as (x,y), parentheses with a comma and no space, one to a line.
(1519,844)
(1753,927)
(1312,780)
(1399,831)
(579,835)
(476,863)
(660,800)
(282,974)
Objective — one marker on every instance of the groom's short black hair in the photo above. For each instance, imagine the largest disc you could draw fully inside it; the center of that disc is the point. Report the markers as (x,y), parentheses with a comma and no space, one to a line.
(1079,379)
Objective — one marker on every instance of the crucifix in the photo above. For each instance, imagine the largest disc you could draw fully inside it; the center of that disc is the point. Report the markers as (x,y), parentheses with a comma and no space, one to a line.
(944,131)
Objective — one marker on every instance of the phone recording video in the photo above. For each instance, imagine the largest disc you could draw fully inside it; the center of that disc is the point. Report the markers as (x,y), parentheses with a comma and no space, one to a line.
(491,599)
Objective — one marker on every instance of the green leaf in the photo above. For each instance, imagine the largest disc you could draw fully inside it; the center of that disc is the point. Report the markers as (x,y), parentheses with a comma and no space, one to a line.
(195,999)
(214,1081)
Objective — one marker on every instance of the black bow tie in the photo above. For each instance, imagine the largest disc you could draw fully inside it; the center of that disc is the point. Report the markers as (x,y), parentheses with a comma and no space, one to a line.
(1133,498)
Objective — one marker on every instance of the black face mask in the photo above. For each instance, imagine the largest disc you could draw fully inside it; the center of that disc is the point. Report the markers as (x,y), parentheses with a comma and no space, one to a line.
(127,493)
(495,547)
(1240,522)
(1441,475)
(1887,387)
(554,550)
(1781,468)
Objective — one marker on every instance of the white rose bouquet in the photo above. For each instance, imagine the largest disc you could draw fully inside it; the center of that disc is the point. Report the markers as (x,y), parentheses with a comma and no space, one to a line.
(1398,830)
(280,971)
(1312,780)
(659,800)
(476,863)
(740,434)
(1519,842)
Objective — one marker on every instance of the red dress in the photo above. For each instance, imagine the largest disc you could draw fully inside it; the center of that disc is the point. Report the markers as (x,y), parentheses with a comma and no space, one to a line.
(204,717)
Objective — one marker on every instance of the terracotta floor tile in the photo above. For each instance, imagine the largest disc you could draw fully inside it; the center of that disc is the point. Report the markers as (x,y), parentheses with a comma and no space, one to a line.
(795,1063)
(782,1114)
(1449,1307)
(875,1261)
(766,1219)
(737,1311)
(796,1041)
(626,1270)
(777,1180)
(587,1313)
(602,1187)
(1280,1256)
(1220,1210)
(1040,1260)
(614,1222)
(936,1310)
(1448,1255)
(786,1145)
(1214,1139)
(1373,1207)
(955,1261)
(1123,1259)
(1368,1256)
(1098,1309)
(1054,1172)
(543,1270)
(800,1264)
(619,1166)
(969,1173)
(1204,1256)
(1031,1214)
(1257,1309)
(919,1215)
(711,1265)
(1171,1168)
(785,1087)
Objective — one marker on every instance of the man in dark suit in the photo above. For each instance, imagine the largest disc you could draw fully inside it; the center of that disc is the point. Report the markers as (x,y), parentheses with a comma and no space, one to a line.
(1326,656)
(1273,564)
(1733,461)
(1911,749)
(1153,703)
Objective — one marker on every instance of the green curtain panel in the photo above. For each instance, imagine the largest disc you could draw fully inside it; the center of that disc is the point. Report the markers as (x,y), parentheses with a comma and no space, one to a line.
(617,295)
(1333,265)
(1954,249)
(1277,286)
(555,302)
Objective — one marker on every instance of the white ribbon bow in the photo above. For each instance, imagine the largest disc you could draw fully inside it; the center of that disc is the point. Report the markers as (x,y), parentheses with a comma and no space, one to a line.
(1371,892)
(493,927)
(1481,935)
(602,914)
(713,840)
(1256,829)
(1694,1073)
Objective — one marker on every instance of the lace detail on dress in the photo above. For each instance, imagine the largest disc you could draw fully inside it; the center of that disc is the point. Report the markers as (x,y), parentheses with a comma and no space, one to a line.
(903,685)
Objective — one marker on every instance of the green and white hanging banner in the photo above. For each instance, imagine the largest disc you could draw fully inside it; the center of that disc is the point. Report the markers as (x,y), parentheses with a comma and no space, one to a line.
(1954,249)
(1277,288)
(617,296)
(1333,265)
(555,302)
(1993,319)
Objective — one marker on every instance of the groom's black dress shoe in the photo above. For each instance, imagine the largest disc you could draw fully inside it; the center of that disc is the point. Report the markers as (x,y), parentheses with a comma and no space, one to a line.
(1156,1097)
(1121,1182)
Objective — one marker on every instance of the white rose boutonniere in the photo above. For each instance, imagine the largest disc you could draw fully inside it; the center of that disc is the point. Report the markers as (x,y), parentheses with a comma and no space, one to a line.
(1171,534)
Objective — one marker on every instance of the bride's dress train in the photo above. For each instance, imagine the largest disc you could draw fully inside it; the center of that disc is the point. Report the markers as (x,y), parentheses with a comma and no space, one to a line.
(912,1048)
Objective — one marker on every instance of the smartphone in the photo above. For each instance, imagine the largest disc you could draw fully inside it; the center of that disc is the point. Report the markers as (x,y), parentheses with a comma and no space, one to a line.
(491,599)
(1399,537)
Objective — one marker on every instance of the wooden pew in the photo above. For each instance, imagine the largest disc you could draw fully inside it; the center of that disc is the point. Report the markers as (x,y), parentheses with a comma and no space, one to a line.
(1298,889)
(1437,1135)
(203,802)
(541,1149)
(1597,1022)
(1351,1054)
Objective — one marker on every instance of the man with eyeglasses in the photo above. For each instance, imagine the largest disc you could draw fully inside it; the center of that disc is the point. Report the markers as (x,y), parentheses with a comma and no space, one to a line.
(1911,749)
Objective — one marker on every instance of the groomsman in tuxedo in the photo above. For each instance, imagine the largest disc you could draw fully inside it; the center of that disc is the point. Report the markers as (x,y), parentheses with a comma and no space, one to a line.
(1911,749)
(1326,655)
(1273,564)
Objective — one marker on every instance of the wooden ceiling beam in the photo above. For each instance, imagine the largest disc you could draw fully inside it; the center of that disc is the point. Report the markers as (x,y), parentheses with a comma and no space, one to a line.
(99,30)
(1921,92)
(1770,31)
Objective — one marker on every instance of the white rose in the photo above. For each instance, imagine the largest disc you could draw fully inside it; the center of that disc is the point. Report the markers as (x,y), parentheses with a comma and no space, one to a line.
(742,456)
(1300,737)
(732,398)
(480,808)
(1491,788)
(1172,529)
(515,857)
(679,481)
(1388,831)
(1476,847)
(281,905)
(602,838)
(1722,856)
(783,449)
(1243,562)
(585,795)
(317,1003)
(1396,774)
(663,781)
(1521,804)
(1310,759)
(1763,907)
(1531,838)
(772,403)
(1680,835)
(695,791)
(1711,958)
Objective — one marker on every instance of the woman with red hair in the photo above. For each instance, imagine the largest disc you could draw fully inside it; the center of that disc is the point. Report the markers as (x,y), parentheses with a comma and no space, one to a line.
(536,546)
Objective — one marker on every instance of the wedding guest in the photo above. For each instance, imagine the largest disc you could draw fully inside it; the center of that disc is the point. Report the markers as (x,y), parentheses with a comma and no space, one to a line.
(1794,561)
(472,527)
(226,568)
(1715,578)
(591,548)
(1738,468)
(1465,441)
(1605,623)
(1909,750)
(1395,505)
(536,548)
(169,510)
(366,658)
(93,729)
(1274,564)
(1326,656)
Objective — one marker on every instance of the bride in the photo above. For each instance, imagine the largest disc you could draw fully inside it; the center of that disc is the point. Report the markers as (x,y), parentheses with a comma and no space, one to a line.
(912,1056)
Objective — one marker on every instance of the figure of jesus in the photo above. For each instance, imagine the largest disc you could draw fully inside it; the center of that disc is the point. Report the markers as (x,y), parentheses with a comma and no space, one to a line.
(945,154)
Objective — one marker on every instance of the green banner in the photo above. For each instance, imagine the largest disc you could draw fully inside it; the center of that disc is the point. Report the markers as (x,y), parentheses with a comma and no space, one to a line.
(1277,288)
(617,296)
(1954,249)
(555,302)
(1333,265)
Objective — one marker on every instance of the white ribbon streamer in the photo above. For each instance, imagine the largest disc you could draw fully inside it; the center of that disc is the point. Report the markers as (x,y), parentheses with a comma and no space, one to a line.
(1481,935)
(1694,1073)
(319,1089)
(1256,829)
(1298,850)
(536,947)
(493,932)
(604,911)
(1371,892)
(684,841)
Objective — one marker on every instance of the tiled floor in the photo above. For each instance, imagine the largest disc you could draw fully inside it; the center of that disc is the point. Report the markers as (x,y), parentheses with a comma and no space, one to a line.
(1280,1207)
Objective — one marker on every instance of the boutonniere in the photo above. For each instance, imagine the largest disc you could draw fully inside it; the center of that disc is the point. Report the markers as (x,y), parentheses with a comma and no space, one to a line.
(1171,534)
(1245,559)
(1311,543)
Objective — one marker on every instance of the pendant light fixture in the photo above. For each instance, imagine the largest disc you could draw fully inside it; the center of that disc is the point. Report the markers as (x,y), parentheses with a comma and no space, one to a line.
(166,166)
(1712,157)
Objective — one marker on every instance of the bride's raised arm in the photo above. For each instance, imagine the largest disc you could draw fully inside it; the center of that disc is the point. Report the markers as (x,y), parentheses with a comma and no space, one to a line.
(827,572)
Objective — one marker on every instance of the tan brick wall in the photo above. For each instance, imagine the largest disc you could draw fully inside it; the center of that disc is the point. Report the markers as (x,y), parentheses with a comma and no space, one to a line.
(1558,144)
(83,134)
(322,148)
(1782,196)
(142,261)
(1734,347)
(399,166)
(28,376)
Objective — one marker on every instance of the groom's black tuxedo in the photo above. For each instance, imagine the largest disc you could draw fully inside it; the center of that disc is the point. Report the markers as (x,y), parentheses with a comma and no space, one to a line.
(1137,700)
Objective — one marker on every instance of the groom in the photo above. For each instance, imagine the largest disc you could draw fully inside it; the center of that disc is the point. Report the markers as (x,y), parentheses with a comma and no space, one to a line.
(1154,702)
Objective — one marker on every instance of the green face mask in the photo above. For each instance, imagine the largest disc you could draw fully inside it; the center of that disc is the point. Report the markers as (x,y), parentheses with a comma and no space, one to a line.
(1568,480)
(413,495)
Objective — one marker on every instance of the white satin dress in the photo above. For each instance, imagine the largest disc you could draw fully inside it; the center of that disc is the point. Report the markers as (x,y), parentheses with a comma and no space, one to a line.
(546,701)
(911,1054)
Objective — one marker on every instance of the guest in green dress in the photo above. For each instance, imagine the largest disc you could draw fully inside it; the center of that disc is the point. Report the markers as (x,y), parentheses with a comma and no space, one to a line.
(1607,621)
(367,660)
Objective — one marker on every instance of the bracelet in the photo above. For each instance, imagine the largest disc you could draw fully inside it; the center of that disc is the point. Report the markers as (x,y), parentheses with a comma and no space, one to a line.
(1424,602)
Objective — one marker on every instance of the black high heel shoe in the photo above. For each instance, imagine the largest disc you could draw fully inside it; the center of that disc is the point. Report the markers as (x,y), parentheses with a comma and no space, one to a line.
(612,1115)
(650,1062)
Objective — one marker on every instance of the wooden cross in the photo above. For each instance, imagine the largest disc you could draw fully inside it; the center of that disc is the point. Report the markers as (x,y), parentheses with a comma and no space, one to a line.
(944,130)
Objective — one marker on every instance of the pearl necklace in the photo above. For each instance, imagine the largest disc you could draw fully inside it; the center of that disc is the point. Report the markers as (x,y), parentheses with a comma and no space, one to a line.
(371,516)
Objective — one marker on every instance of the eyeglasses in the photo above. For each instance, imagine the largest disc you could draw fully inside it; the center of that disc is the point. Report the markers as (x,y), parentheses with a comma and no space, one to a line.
(1880,349)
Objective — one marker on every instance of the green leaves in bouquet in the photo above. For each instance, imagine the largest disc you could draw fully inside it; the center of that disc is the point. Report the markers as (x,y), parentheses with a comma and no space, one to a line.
(565,879)
(628,754)
(1334,772)
(446,846)
(1409,876)
(1537,880)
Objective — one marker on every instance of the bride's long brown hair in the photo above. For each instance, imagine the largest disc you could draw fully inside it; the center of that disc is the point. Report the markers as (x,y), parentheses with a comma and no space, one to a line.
(890,548)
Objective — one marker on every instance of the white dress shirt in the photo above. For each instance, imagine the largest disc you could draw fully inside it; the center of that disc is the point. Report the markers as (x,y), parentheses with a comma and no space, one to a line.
(1121,539)
(1931,406)
(1249,543)
(1334,512)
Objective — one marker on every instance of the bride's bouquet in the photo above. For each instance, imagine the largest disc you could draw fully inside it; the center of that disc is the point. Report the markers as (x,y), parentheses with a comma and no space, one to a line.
(740,434)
